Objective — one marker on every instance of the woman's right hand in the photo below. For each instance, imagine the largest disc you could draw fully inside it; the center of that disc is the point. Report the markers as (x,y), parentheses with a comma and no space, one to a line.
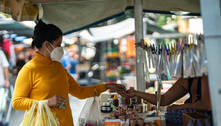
(55,101)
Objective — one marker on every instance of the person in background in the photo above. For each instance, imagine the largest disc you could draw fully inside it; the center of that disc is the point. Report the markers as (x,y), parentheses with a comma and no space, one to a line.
(74,62)
(20,61)
(7,46)
(66,62)
(4,74)
(44,77)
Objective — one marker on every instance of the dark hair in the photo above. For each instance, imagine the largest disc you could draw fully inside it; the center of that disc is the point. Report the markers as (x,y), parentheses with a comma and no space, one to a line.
(45,32)
(1,39)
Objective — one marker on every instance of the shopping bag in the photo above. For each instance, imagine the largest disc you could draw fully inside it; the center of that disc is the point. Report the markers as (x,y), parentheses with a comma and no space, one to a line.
(3,99)
(178,60)
(203,59)
(40,117)
(90,114)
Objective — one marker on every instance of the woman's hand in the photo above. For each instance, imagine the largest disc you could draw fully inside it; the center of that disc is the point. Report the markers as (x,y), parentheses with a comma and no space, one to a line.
(117,87)
(56,101)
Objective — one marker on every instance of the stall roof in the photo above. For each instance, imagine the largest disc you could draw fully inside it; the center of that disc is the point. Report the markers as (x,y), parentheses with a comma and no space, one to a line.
(117,30)
(14,27)
(73,15)
(80,14)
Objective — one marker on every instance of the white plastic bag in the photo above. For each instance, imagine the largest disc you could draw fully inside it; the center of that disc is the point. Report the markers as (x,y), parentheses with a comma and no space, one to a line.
(178,60)
(203,58)
(3,99)
(42,117)
(90,114)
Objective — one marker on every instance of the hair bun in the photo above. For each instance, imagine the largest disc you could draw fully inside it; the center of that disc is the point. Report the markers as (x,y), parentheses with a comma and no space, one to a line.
(41,26)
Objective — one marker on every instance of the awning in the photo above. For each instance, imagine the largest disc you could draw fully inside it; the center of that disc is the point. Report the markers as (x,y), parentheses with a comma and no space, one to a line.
(109,32)
(14,27)
(82,14)
(72,15)
(117,30)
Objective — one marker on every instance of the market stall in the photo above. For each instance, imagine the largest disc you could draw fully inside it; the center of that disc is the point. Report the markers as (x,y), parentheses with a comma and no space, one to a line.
(168,57)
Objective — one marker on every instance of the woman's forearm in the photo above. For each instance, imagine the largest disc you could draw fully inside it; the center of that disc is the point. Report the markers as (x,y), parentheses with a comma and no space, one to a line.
(21,103)
(152,98)
(146,96)
(197,105)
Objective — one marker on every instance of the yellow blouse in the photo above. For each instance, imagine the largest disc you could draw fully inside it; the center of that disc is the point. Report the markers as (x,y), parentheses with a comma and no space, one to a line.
(42,78)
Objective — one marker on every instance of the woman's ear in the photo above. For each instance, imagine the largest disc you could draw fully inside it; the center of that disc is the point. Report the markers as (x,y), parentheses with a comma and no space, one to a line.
(46,45)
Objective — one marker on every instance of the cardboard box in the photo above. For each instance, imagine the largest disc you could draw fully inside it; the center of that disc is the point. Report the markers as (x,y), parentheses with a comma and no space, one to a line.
(114,122)
(194,117)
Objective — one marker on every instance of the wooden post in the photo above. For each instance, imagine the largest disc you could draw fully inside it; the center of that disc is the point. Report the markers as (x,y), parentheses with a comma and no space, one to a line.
(138,13)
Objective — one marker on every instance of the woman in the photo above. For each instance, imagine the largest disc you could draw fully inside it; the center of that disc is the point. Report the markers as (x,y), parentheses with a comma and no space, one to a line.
(197,88)
(45,78)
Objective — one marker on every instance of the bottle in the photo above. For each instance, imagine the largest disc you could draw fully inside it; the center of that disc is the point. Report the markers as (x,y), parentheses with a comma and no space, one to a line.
(115,101)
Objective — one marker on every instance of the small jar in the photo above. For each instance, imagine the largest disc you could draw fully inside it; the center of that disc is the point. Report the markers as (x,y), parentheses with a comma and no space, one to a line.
(133,122)
(140,122)
(125,101)
(115,101)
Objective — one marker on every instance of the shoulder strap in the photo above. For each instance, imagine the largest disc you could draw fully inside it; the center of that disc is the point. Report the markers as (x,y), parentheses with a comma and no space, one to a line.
(199,86)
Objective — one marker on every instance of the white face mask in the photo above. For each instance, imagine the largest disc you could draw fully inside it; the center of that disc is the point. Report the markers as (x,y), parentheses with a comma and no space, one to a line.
(57,53)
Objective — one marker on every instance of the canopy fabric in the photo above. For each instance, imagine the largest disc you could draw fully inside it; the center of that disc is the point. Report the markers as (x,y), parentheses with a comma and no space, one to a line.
(109,32)
(192,6)
(118,30)
(20,10)
(15,27)
(76,15)
(72,15)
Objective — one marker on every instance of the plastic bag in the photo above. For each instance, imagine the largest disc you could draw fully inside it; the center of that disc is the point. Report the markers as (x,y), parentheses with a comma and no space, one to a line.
(161,69)
(165,72)
(192,57)
(196,60)
(90,114)
(178,60)
(42,117)
(3,99)
(147,77)
(188,59)
(203,59)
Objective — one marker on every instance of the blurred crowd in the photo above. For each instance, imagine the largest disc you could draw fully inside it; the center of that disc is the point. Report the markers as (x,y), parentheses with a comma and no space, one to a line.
(70,61)
(13,55)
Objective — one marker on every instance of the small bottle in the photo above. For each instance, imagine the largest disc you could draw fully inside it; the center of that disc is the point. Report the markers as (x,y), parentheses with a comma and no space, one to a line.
(115,101)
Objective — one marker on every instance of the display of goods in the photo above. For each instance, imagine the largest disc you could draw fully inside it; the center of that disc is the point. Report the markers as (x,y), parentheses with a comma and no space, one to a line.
(175,117)
(124,113)
(115,122)
(175,58)
(196,119)
(113,55)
